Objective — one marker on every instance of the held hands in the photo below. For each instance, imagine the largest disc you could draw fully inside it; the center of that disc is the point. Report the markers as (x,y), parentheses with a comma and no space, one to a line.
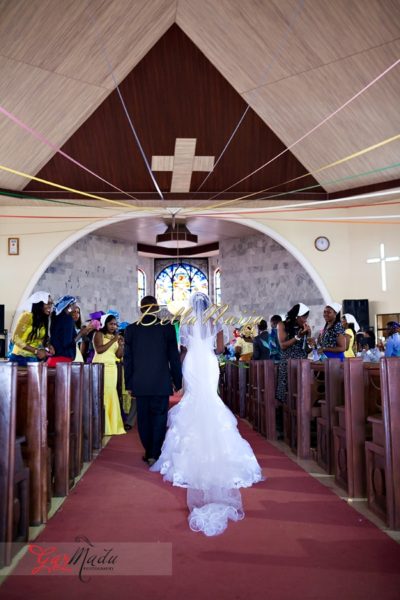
(312,343)
(305,331)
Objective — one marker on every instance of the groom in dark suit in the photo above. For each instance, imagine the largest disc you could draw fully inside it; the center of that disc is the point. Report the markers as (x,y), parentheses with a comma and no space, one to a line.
(152,364)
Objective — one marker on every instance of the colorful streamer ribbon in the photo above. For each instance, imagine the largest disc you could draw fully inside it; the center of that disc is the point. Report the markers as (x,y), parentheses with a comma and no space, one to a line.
(303,137)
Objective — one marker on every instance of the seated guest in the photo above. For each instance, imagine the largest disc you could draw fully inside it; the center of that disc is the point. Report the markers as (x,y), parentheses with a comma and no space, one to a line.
(332,340)
(62,331)
(393,340)
(30,337)
(244,344)
(109,346)
(261,343)
(351,328)
(369,339)
(275,348)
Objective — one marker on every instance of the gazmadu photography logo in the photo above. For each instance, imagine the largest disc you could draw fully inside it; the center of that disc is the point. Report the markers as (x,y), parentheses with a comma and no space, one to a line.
(86,559)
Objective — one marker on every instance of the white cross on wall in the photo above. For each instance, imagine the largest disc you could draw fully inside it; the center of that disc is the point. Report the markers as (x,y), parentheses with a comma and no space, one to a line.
(383,260)
(182,164)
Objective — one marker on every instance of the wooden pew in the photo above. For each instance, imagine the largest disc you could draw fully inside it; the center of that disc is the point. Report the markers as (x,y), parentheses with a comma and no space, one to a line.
(298,410)
(289,409)
(232,374)
(254,405)
(32,424)
(59,426)
(383,451)
(350,431)
(266,397)
(14,476)
(87,414)
(243,389)
(97,375)
(332,391)
(77,392)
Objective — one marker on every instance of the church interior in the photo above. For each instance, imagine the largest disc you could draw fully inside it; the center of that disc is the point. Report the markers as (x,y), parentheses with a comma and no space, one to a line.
(247,148)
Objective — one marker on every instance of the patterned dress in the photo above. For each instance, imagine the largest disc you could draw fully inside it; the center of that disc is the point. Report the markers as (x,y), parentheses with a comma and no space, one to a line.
(298,350)
(328,339)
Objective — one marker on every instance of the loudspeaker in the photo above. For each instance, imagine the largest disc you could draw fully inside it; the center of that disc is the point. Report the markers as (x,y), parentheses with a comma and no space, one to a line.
(1,317)
(359,309)
(2,348)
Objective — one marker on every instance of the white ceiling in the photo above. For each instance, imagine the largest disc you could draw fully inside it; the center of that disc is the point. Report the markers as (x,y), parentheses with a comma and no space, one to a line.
(145,229)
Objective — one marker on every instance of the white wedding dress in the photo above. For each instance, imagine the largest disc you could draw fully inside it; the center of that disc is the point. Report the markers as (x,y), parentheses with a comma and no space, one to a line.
(203,450)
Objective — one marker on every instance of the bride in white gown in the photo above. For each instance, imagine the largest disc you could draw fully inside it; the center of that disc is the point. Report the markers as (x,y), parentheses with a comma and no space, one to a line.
(203,450)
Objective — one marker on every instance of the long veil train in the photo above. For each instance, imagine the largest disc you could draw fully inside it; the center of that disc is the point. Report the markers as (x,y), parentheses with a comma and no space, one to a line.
(203,450)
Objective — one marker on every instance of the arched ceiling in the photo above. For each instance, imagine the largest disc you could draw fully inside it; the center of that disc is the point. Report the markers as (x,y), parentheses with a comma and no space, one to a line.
(292,62)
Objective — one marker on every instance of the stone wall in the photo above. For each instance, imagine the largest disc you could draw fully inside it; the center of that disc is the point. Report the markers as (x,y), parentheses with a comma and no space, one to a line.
(261,277)
(258,277)
(100,271)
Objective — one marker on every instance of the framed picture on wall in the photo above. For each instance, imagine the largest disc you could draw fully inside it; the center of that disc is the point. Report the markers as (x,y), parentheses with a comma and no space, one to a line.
(13,246)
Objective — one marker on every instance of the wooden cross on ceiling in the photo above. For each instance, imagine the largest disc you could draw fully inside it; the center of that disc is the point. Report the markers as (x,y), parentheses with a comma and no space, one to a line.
(182,164)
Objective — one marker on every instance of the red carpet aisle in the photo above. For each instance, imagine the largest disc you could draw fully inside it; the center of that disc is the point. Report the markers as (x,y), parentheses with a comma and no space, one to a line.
(298,540)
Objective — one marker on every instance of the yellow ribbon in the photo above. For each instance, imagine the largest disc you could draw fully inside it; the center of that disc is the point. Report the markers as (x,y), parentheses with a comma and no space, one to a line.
(68,189)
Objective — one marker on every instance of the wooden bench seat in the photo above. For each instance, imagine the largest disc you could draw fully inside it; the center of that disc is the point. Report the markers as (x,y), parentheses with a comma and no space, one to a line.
(14,476)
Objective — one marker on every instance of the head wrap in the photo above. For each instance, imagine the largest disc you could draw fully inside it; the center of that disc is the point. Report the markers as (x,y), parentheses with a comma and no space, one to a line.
(62,303)
(350,319)
(303,310)
(104,318)
(34,299)
(96,315)
(114,313)
(336,306)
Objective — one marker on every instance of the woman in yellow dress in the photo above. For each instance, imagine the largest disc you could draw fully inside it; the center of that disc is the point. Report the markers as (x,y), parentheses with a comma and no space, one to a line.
(108,347)
(31,333)
(351,327)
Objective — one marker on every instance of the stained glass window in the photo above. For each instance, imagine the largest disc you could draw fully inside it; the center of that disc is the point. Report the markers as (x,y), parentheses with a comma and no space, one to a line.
(177,281)
(217,287)
(141,285)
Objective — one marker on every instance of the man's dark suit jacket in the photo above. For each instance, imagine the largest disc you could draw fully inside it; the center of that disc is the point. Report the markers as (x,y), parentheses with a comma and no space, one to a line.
(151,359)
(260,350)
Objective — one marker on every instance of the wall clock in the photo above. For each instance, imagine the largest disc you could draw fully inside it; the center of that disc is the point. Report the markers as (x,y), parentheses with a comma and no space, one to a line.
(322,243)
